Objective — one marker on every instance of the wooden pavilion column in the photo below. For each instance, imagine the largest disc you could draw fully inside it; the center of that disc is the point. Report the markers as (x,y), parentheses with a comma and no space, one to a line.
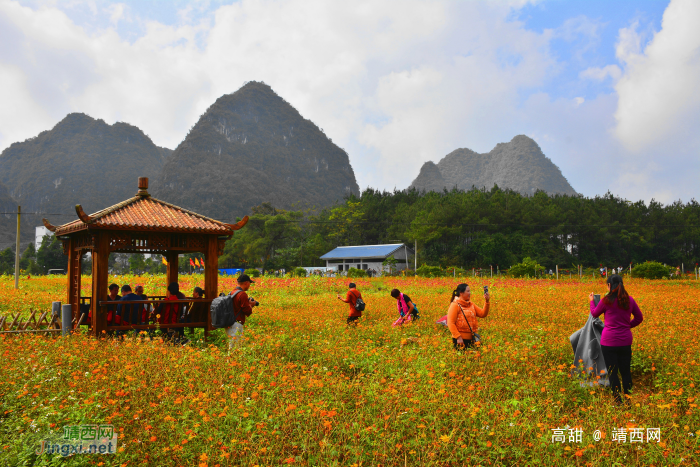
(171,273)
(211,275)
(100,272)
(73,277)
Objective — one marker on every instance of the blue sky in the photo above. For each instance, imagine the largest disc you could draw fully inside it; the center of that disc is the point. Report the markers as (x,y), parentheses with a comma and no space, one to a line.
(606,88)
(603,20)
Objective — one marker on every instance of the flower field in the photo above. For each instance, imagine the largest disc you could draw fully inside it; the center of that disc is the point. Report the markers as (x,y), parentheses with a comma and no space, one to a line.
(305,390)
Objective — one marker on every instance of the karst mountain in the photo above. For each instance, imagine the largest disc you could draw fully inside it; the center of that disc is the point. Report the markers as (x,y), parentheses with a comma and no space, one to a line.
(518,165)
(8,221)
(79,161)
(251,147)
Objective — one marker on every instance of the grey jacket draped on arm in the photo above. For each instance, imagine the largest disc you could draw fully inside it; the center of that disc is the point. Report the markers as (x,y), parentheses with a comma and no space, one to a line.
(586,345)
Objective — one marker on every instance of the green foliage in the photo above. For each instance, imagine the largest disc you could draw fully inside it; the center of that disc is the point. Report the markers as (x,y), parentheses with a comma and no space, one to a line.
(298,272)
(528,267)
(27,262)
(50,255)
(430,271)
(7,261)
(457,271)
(390,262)
(252,272)
(651,270)
(137,263)
(483,228)
(272,239)
(354,272)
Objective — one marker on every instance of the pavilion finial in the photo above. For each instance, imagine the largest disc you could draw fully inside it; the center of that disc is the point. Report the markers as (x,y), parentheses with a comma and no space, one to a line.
(81,214)
(143,187)
(238,224)
(48,225)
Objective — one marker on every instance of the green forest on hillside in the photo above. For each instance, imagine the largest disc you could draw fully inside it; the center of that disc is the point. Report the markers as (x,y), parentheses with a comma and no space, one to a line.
(477,228)
(464,229)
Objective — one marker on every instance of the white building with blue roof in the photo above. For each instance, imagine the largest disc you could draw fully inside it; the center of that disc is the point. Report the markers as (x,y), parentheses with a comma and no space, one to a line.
(368,257)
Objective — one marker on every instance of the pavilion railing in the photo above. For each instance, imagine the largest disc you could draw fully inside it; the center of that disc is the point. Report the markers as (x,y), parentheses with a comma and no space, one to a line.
(152,307)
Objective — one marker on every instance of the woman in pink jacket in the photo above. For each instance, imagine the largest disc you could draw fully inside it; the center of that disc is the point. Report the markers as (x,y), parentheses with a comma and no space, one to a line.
(616,341)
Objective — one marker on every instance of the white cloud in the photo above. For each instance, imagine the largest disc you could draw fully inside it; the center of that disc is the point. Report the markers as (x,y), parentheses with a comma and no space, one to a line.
(21,115)
(658,91)
(600,74)
(396,83)
(116,12)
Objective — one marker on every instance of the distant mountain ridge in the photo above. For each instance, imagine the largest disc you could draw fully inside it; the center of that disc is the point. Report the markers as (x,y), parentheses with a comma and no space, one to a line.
(518,165)
(8,221)
(251,147)
(81,160)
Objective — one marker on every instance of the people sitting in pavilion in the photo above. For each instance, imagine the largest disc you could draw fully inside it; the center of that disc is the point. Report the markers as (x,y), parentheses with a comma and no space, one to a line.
(197,312)
(138,290)
(129,313)
(111,309)
(141,224)
(168,313)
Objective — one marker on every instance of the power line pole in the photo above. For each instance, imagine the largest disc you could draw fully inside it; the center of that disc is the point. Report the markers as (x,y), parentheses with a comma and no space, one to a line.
(415,256)
(19,214)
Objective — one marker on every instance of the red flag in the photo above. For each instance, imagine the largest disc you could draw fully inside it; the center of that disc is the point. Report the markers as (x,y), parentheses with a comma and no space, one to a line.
(202,261)
(192,262)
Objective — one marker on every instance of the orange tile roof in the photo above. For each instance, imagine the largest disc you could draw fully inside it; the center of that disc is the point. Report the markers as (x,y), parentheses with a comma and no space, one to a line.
(143,213)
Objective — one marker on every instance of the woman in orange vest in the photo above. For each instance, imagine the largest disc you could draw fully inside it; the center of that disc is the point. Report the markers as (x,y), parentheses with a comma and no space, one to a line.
(461,317)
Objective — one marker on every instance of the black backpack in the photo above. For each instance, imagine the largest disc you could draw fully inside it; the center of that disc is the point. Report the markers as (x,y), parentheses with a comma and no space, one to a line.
(222,313)
(360,304)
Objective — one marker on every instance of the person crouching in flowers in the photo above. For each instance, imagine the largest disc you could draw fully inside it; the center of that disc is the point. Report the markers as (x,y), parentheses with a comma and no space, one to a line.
(461,317)
(407,309)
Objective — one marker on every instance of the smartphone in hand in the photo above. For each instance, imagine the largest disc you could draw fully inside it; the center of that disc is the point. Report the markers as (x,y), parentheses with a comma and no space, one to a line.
(486,289)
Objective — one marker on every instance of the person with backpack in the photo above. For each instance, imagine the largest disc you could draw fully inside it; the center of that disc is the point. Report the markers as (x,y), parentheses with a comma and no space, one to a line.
(407,309)
(616,339)
(242,308)
(357,305)
(461,317)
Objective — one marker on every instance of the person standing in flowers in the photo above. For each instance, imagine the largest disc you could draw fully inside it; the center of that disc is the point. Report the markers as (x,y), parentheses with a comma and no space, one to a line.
(351,299)
(407,309)
(616,340)
(461,317)
(242,308)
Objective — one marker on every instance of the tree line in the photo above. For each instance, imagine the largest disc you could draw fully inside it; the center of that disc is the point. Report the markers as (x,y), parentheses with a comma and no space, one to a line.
(462,229)
(476,229)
